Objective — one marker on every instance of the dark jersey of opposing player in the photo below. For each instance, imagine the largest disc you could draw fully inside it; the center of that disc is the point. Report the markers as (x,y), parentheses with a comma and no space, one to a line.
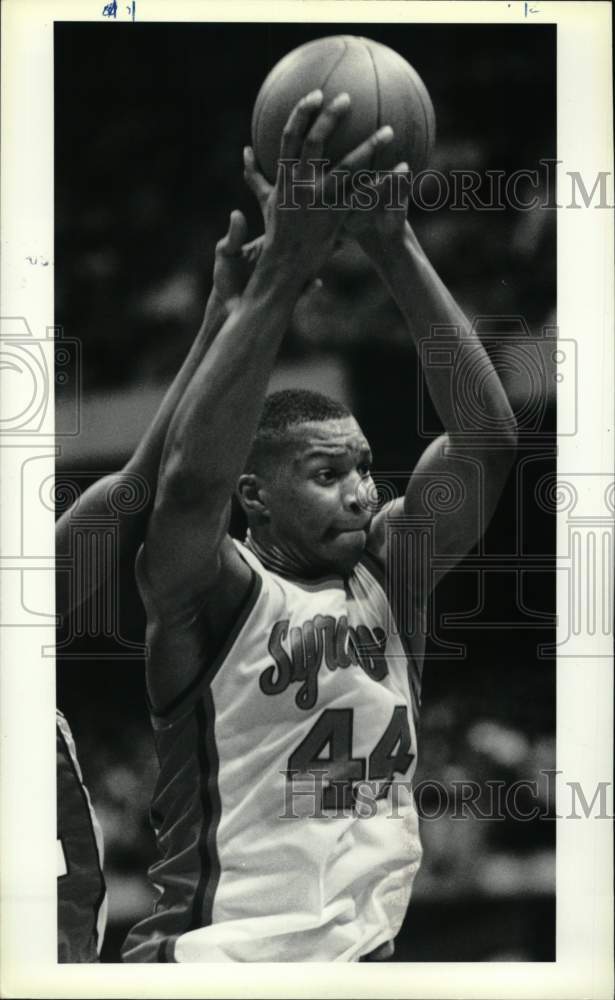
(81,885)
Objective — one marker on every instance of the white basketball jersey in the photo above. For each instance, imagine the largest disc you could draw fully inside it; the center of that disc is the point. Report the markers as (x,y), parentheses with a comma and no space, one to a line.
(283,810)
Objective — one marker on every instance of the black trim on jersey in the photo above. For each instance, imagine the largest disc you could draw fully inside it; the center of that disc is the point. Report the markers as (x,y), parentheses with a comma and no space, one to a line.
(156,818)
(330,581)
(166,950)
(198,912)
(247,607)
(415,684)
(312,586)
(202,904)
(88,810)
(210,669)
(373,566)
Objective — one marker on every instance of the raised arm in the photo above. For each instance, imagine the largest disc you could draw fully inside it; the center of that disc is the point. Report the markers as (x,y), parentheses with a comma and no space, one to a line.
(188,561)
(458,480)
(234,262)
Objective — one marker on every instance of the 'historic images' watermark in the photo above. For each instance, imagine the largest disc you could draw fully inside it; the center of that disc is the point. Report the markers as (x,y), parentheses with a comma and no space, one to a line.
(325,793)
(430,190)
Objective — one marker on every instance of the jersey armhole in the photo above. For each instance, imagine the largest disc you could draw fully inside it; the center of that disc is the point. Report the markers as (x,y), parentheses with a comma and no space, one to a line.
(376,569)
(374,565)
(147,592)
(209,671)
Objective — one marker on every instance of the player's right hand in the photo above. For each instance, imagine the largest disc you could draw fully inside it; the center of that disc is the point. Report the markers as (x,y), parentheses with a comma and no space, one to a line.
(300,230)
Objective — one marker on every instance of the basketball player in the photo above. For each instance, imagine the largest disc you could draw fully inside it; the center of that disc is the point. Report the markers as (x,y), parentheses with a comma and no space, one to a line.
(279,686)
(82,903)
(82,900)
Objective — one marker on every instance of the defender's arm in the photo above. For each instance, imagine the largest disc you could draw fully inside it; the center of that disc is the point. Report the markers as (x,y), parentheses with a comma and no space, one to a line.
(234,261)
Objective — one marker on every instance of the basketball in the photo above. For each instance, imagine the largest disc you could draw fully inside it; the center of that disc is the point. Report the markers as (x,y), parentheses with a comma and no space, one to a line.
(384,90)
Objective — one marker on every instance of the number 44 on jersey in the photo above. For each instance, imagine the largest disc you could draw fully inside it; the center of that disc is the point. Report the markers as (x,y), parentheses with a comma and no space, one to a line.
(324,763)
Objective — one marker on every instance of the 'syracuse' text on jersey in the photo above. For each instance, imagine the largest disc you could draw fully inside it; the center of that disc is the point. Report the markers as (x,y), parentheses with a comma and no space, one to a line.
(283,809)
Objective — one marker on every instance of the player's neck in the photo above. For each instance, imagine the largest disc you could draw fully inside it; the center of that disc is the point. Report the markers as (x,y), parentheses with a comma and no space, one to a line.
(277,558)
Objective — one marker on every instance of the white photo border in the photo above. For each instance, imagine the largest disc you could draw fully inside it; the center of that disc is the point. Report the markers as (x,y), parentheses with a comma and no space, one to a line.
(584,863)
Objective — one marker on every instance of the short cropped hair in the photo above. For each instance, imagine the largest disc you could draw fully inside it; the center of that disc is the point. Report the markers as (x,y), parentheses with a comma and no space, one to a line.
(285,409)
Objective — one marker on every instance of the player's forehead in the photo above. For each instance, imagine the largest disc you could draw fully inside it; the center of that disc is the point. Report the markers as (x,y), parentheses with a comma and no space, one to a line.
(334,437)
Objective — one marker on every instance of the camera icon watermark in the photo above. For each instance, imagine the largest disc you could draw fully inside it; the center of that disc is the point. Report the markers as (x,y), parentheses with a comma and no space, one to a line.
(31,368)
(534,369)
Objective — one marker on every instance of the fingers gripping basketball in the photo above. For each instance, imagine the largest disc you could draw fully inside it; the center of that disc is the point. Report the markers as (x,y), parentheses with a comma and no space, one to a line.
(383,88)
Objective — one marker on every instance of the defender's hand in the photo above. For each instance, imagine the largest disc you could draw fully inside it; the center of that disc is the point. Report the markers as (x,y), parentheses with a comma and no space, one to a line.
(259,186)
(300,230)
(235,260)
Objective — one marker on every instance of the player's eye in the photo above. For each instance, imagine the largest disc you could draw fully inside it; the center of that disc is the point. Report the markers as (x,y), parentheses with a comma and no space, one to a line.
(325,477)
(364,469)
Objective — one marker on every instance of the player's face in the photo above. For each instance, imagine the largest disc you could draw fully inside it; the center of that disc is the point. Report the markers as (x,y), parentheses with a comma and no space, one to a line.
(319,499)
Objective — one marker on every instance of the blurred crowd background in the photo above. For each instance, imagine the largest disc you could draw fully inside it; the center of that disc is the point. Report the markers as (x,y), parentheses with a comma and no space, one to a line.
(150,125)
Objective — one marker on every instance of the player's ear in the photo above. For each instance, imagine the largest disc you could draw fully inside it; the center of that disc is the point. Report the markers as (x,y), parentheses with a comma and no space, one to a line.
(252,495)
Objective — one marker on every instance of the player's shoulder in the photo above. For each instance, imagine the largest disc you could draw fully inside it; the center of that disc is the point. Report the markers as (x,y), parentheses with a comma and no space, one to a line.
(224,586)
(188,646)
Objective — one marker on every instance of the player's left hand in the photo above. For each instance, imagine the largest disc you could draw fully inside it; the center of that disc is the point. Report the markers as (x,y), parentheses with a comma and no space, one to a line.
(386,221)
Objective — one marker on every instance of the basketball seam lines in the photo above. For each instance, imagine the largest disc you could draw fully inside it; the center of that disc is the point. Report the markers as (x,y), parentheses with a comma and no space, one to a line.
(429,137)
(334,67)
(322,87)
(374,155)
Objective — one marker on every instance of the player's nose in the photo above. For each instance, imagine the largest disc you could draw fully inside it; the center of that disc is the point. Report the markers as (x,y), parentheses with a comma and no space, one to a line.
(351,496)
(352,505)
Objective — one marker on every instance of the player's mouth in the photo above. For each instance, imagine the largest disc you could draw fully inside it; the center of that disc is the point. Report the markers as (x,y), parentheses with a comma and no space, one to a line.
(349,529)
